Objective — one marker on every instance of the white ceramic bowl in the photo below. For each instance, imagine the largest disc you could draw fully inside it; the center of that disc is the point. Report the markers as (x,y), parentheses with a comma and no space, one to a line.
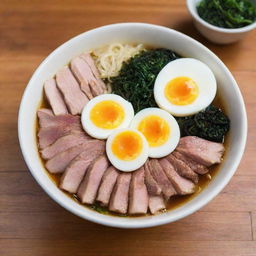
(151,35)
(216,34)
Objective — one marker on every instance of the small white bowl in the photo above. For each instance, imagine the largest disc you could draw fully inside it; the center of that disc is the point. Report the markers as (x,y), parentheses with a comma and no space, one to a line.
(217,34)
(133,33)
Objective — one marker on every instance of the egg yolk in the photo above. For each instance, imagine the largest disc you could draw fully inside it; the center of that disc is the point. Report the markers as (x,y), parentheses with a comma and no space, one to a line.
(181,91)
(155,129)
(107,114)
(127,145)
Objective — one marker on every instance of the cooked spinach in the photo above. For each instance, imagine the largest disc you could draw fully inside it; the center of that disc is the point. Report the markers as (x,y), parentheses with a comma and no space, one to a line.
(227,13)
(211,124)
(98,208)
(136,79)
(103,210)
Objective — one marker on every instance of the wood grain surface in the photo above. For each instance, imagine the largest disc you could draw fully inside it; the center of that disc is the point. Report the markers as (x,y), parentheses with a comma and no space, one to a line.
(33,224)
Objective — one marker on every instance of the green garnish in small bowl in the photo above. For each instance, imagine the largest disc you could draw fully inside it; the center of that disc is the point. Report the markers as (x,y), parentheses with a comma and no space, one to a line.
(227,13)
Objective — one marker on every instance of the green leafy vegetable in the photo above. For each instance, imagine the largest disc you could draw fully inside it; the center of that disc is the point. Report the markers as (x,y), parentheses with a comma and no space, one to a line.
(227,13)
(211,124)
(136,79)
(103,210)
(99,208)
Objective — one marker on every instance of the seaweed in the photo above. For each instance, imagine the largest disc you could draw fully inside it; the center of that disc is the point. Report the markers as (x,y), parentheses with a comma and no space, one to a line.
(227,13)
(136,79)
(211,124)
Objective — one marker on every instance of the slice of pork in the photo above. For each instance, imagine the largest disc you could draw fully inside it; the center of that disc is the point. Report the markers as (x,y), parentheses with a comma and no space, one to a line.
(78,168)
(200,150)
(74,98)
(138,202)
(59,162)
(53,127)
(47,119)
(48,135)
(55,97)
(74,173)
(182,186)
(152,186)
(63,143)
(120,195)
(182,169)
(89,60)
(87,190)
(196,167)
(107,184)
(161,178)
(156,204)
(48,112)
(88,83)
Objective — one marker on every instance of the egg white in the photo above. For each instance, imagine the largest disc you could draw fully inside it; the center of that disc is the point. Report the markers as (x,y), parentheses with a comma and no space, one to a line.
(122,165)
(194,69)
(98,132)
(173,140)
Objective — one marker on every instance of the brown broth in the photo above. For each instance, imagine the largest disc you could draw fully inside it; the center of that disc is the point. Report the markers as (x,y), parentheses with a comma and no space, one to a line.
(175,201)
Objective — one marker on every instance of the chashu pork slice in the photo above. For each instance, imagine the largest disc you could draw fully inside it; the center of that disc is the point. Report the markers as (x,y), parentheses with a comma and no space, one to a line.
(120,195)
(156,201)
(45,113)
(161,178)
(53,127)
(107,184)
(63,143)
(48,135)
(151,184)
(74,98)
(138,194)
(88,83)
(89,60)
(88,189)
(48,119)
(196,167)
(55,97)
(200,150)
(75,171)
(182,186)
(183,169)
(156,204)
(59,162)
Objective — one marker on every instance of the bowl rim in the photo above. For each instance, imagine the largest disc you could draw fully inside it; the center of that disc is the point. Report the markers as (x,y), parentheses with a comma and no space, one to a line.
(191,3)
(114,221)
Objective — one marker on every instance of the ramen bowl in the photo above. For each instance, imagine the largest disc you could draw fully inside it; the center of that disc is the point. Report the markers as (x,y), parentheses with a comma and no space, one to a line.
(156,36)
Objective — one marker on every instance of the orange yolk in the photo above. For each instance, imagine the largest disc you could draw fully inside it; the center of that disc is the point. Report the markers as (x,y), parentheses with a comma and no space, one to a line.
(181,91)
(107,114)
(155,129)
(127,145)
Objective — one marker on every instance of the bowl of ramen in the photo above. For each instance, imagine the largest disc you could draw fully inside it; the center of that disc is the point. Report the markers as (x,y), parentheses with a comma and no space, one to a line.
(132,125)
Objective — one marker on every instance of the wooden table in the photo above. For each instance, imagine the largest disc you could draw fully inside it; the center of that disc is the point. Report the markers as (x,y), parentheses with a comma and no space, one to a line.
(33,224)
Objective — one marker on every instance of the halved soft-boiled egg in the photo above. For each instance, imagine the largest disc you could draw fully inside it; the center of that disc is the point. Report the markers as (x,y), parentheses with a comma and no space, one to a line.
(160,129)
(127,149)
(184,87)
(105,113)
